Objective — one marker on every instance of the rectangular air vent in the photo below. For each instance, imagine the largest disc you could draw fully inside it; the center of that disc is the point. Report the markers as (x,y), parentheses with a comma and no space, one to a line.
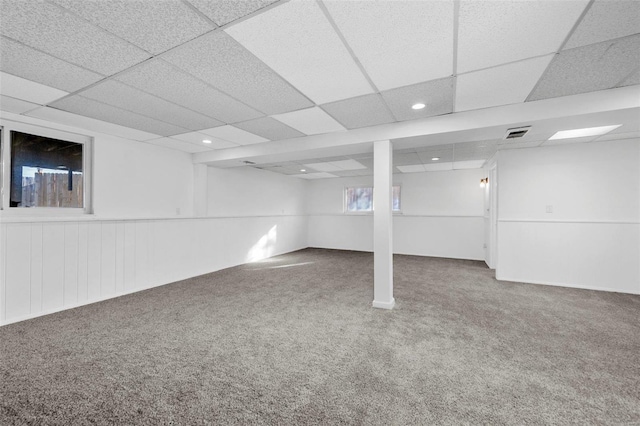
(517,132)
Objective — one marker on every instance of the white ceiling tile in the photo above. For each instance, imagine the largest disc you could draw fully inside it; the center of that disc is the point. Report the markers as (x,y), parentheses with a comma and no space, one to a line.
(363,111)
(125,97)
(438,167)
(469,164)
(335,166)
(415,168)
(496,32)
(589,68)
(398,42)
(323,167)
(28,63)
(310,121)
(408,159)
(197,138)
(99,111)
(618,136)
(154,26)
(235,135)
(320,175)
(166,81)
(179,145)
(634,78)
(443,155)
(502,85)
(583,139)
(27,90)
(64,117)
(348,165)
(269,128)
(353,173)
(53,30)
(221,61)
(297,41)
(437,95)
(16,106)
(224,11)
(606,20)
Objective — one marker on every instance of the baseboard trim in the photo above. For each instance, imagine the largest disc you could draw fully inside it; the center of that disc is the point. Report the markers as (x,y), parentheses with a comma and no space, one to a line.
(384,305)
(554,284)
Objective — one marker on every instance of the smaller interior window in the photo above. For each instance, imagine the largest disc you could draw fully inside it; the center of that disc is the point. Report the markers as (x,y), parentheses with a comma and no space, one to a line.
(360,199)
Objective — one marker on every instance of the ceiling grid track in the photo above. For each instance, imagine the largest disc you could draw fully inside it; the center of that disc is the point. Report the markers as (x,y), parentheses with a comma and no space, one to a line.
(564,42)
(326,13)
(454,74)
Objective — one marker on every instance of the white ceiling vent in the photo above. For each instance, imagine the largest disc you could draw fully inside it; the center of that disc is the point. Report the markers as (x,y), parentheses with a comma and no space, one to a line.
(517,132)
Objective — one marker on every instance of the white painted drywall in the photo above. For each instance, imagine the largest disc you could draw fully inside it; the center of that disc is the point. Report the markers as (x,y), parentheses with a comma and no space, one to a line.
(591,236)
(247,191)
(442,215)
(139,180)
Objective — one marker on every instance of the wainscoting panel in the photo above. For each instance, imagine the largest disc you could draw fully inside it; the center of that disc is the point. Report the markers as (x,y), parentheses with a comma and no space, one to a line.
(51,265)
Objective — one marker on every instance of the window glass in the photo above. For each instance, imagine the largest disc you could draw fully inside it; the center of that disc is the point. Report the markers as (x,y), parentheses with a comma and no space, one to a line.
(45,172)
(360,199)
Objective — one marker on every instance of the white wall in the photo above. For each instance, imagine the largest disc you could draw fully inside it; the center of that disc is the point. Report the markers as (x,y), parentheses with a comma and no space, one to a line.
(591,239)
(246,191)
(134,179)
(442,215)
(137,239)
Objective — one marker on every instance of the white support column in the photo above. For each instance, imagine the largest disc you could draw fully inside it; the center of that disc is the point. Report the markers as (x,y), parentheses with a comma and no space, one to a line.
(382,225)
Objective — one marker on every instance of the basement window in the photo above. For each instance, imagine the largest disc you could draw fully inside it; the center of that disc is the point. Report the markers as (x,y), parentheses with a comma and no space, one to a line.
(45,170)
(360,199)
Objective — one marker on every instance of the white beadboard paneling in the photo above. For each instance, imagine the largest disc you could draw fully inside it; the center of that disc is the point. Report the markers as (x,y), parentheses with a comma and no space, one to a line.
(83,262)
(18,271)
(129,250)
(119,257)
(108,260)
(94,256)
(71,256)
(88,260)
(36,267)
(142,260)
(52,266)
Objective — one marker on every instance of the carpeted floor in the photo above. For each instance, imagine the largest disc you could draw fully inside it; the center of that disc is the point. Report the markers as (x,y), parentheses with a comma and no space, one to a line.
(293,340)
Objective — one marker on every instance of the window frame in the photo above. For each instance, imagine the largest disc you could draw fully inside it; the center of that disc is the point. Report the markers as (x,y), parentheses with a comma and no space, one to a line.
(9,126)
(345,209)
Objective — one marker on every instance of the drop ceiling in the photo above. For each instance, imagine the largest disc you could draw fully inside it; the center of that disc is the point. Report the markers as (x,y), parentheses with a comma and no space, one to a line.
(175,72)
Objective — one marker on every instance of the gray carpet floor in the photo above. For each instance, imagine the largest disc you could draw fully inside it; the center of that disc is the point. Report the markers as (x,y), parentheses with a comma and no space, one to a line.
(293,340)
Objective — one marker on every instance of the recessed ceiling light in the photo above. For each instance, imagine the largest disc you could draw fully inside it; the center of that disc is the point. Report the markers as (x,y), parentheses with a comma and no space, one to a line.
(419,105)
(206,141)
(435,158)
(580,133)
(303,170)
